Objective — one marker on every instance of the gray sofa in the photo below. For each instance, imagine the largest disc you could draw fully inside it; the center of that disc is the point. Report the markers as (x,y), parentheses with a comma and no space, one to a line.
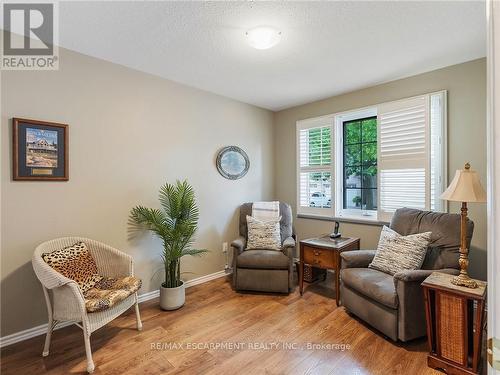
(394,304)
(264,270)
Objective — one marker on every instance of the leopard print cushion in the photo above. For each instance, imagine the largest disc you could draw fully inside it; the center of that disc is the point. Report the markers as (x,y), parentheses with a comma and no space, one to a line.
(76,263)
(109,291)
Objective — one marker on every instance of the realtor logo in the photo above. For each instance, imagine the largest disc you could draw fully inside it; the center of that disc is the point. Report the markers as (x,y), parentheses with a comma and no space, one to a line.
(29,37)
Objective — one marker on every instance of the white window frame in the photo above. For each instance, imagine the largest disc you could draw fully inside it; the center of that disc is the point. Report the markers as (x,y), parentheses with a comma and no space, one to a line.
(317,122)
(336,120)
(442,184)
(340,118)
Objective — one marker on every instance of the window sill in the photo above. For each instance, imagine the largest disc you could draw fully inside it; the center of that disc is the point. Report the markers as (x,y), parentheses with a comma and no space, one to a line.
(350,220)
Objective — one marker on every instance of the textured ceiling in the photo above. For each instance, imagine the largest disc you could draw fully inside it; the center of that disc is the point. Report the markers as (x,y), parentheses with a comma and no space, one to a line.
(327,48)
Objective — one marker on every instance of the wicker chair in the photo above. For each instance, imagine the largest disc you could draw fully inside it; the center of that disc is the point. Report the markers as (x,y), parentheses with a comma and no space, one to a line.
(65,302)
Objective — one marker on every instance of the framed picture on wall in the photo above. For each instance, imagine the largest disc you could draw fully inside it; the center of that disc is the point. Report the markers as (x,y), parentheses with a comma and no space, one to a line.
(40,150)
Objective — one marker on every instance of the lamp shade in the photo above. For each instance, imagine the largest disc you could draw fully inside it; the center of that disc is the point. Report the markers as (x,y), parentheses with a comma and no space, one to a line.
(465,187)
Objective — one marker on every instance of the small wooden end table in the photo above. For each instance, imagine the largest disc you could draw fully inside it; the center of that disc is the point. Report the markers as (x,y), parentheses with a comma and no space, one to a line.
(455,323)
(324,252)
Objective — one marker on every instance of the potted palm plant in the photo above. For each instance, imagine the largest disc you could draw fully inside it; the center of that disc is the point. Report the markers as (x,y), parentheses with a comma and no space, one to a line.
(175,224)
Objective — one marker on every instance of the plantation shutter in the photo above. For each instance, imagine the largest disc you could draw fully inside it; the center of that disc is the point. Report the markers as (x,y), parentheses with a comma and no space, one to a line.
(320,155)
(314,160)
(403,155)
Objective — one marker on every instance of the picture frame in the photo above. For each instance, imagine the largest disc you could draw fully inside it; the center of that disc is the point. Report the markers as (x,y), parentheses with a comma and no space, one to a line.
(40,150)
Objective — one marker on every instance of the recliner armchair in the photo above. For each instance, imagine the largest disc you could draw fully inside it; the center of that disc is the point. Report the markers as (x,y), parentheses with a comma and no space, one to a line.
(264,270)
(394,304)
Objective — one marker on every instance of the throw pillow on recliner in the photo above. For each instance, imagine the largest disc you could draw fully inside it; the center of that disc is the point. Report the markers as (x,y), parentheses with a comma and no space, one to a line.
(397,253)
(263,234)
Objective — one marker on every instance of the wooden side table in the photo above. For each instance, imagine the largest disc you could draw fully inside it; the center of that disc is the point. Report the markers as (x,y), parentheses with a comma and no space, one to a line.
(324,252)
(455,323)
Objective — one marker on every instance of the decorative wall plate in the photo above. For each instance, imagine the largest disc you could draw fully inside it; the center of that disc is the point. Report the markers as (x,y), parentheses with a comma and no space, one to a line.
(232,162)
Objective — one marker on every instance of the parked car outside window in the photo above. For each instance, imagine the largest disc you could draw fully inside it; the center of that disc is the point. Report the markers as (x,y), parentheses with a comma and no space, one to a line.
(320,200)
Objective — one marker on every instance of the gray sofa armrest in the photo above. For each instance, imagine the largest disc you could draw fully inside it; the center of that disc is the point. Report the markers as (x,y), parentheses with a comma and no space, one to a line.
(288,242)
(239,244)
(411,301)
(356,258)
(289,248)
(420,275)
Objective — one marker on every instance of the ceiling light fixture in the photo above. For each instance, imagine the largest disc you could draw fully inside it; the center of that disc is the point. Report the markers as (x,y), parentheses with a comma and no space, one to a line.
(263,37)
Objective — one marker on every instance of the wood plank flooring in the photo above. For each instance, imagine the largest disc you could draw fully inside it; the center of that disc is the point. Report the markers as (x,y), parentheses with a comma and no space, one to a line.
(216,315)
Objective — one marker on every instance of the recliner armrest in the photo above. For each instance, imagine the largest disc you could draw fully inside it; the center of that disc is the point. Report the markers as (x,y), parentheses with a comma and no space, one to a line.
(288,242)
(239,244)
(411,302)
(420,275)
(289,247)
(357,258)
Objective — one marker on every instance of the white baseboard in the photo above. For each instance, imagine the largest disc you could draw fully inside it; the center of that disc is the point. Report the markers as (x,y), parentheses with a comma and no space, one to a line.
(149,295)
(42,329)
(204,279)
(28,333)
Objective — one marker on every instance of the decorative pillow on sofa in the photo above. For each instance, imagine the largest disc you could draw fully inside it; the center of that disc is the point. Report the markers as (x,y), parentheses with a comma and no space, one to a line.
(76,263)
(386,234)
(397,253)
(263,234)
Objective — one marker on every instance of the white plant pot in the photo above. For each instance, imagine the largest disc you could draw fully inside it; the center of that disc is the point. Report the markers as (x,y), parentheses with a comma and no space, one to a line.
(172,298)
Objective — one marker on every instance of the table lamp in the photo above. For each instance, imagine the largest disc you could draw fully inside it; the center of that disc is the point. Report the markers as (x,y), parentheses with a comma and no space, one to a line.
(465,187)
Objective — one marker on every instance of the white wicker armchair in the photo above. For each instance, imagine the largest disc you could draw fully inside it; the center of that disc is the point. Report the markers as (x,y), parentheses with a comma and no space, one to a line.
(65,301)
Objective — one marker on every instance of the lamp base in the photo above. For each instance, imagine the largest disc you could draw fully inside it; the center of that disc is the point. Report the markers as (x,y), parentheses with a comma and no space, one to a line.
(464,280)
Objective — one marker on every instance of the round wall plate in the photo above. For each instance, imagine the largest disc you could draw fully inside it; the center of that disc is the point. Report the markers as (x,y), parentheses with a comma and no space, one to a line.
(232,162)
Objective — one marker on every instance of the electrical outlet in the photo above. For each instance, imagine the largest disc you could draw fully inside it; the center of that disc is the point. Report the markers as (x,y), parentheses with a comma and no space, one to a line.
(224,247)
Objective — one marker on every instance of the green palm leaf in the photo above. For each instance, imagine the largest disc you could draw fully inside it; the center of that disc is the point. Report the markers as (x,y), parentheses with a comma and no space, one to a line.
(175,224)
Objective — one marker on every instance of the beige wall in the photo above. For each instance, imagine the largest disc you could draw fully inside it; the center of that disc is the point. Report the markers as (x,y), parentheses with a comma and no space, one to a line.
(129,132)
(466,85)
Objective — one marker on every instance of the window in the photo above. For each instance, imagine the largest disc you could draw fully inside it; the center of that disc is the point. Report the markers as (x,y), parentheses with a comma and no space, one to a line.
(315,163)
(360,164)
(356,167)
(364,164)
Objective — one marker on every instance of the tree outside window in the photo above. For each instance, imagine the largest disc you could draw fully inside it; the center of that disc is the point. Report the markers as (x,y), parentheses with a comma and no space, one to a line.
(360,164)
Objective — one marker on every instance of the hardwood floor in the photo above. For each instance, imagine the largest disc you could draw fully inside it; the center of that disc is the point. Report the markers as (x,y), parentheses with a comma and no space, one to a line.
(215,315)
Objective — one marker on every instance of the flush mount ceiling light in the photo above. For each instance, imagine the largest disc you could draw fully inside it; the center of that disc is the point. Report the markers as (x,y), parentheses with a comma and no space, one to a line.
(263,37)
